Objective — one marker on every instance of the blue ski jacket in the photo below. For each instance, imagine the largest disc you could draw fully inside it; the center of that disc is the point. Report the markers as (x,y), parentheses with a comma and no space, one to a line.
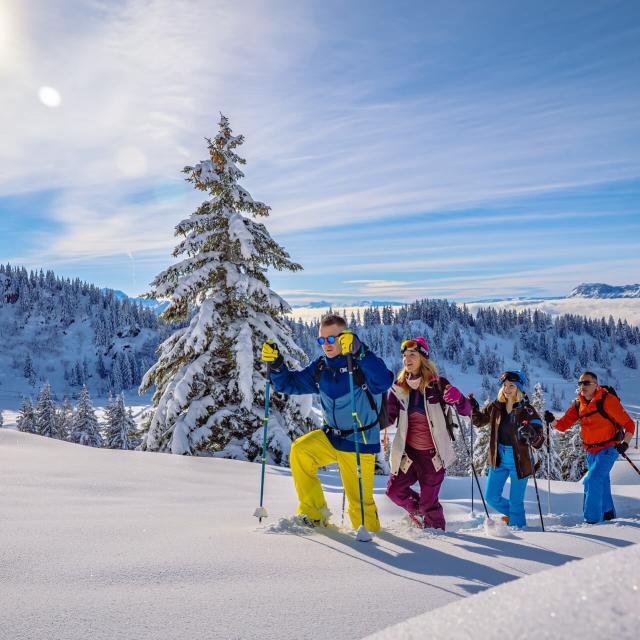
(335,398)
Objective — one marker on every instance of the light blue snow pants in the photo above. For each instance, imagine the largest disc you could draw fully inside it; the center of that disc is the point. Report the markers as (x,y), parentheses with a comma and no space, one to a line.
(513,508)
(598,502)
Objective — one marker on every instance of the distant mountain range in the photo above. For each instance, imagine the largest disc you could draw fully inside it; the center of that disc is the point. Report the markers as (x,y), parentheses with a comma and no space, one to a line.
(155,305)
(599,290)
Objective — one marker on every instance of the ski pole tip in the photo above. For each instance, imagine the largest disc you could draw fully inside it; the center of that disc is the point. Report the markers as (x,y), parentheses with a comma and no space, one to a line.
(363,535)
(260,513)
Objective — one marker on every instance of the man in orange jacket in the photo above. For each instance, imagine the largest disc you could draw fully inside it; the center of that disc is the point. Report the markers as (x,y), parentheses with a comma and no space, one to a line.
(606,430)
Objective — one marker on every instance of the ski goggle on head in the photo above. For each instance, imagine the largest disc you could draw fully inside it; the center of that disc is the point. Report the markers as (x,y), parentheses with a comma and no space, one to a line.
(511,376)
(329,339)
(412,345)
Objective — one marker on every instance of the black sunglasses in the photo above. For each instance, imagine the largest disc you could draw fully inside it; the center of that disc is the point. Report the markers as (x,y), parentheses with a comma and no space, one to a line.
(585,383)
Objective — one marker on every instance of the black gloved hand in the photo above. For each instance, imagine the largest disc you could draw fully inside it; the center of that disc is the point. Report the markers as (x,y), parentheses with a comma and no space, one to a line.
(549,417)
(474,403)
(622,447)
(526,433)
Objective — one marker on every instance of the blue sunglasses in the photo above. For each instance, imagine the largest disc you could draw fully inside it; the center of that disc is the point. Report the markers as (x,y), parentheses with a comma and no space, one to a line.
(330,340)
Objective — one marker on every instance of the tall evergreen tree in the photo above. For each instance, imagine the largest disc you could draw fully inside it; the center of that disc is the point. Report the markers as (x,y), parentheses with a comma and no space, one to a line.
(120,429)
(481,442)
(84,427)
(64,420)
(461,466)
(26,420)
(630,360)
(574,458)
(45,413)
(208,378)
(552,460)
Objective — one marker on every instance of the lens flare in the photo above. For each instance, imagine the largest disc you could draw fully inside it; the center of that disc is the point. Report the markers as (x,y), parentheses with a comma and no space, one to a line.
(49,97)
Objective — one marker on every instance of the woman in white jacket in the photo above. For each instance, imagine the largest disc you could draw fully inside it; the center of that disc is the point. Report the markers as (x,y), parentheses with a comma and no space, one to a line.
(422,449)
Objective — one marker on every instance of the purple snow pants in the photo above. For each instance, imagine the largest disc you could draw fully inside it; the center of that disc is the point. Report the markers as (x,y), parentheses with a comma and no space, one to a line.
(426,502)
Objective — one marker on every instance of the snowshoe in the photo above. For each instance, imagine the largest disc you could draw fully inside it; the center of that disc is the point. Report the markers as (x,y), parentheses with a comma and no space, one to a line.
(417,520)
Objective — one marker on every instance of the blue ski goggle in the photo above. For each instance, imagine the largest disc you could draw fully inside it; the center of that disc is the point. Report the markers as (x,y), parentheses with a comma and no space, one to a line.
(329,339)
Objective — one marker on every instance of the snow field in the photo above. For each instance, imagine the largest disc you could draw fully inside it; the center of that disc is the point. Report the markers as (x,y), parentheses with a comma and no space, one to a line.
(121,544)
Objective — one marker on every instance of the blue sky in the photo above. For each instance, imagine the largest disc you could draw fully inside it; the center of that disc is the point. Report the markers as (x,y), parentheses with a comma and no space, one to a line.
(407,149)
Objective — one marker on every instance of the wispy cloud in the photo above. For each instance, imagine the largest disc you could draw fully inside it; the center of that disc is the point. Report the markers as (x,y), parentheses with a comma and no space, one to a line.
(342,133)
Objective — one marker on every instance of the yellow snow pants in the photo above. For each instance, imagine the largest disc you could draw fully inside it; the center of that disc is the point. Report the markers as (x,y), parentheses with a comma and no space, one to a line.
(313,450)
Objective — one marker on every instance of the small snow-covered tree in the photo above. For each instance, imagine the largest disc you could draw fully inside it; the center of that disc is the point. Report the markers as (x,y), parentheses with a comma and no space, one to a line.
(630,360)
(1,419)
(45,413)
(28,370)
(549,453)
(481,442)
(574,458)
(120,428)
(209,380)
(26,420)
(461,446)
(84,427)
(64,419)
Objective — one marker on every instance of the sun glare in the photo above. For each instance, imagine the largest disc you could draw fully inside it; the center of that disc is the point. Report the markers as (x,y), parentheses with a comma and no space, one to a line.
(49,96)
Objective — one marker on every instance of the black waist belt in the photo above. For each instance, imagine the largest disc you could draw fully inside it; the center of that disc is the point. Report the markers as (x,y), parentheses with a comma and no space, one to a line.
(346,432)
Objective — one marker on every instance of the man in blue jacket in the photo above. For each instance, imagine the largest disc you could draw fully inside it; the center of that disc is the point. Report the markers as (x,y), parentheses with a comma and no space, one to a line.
(335,442)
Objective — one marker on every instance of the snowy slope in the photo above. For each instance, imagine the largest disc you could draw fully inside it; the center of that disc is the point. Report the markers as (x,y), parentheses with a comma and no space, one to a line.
(99,543)
(593,598)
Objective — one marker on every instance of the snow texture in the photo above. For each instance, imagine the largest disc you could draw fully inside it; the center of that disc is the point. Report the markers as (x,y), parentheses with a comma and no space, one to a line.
(107,544)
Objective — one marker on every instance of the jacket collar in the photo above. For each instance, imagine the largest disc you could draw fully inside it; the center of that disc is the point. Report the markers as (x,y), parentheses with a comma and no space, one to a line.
(596,396)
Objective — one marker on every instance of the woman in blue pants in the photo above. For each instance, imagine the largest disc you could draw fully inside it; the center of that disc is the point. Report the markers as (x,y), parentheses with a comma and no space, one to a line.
(514,425)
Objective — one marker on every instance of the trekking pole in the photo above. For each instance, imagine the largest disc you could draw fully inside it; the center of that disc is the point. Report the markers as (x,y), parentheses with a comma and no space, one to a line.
(548,469)
(363,535)
(471,477)
(261,512)
(628,459)
(488,520)
(535,482)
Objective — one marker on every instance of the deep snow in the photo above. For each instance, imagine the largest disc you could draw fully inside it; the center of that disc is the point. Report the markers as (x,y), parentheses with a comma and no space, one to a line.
(98,543)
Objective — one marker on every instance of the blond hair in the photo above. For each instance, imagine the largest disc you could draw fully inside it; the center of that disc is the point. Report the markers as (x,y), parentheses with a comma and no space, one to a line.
(502,398)
(428,374)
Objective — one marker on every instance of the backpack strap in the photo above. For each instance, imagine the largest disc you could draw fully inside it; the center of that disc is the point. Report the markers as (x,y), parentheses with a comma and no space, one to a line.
(619,435)
(446,412)
(359,379)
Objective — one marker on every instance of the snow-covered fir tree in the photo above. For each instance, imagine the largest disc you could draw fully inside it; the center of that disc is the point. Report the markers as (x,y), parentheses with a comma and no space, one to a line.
(45,413)
(84,426)
(120,427)
(26,420)
(64,419)
(549,453)
(28,370)
(208,377)
(462,447)
(574,458)
(481,442)
(1,419)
